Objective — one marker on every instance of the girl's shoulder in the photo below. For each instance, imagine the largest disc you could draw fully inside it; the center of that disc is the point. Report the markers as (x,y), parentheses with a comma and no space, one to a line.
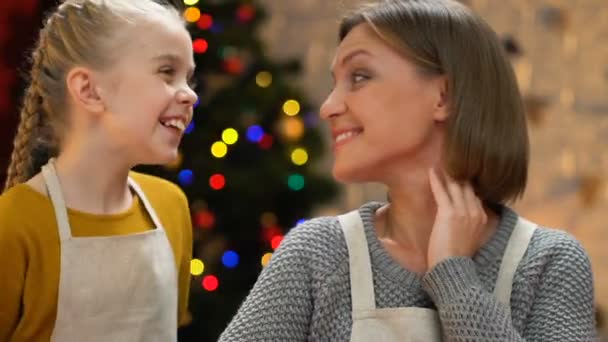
(158,189)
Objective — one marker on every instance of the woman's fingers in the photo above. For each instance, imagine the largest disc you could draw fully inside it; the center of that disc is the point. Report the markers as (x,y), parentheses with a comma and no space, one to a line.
(439,192)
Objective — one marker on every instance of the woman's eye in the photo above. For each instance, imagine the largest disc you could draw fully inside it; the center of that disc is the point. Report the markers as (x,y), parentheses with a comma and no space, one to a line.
(357,78)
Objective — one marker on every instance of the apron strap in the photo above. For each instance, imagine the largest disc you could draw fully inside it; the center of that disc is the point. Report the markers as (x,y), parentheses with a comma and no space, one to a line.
(514,252)
(49,174)
(142,196)
(361,281)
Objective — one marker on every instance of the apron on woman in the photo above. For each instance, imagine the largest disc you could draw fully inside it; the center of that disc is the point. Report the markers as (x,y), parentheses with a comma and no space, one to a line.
(119,288)
(411,324)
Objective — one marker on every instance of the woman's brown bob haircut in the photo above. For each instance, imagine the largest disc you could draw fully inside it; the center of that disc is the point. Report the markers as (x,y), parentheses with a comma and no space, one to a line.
(486,139)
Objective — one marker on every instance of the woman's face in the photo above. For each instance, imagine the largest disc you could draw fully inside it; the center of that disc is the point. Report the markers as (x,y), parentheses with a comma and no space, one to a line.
(385,115)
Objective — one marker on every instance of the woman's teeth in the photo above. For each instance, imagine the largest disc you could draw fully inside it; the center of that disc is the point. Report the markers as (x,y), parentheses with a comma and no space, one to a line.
(346,135)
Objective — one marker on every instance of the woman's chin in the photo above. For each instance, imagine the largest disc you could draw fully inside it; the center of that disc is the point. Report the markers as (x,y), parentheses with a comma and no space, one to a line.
(346,175)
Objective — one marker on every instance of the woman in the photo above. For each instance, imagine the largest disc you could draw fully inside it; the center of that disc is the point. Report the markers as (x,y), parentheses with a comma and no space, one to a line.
(425,102)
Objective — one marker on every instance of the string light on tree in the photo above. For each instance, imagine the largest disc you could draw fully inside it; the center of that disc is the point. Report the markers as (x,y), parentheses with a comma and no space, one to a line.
(205,22)
(199,45)
(190,128)
(190,2)
(255,134)
(291,107)
(268,219)
(266,259)
(245,13)
(204,219)
(299,156)
(263,79)
(230,259)
(234,65)
(269,232)
(219,149)
(185,177)
(276,241)
(292,128)
(217,181)
(192,14)
(266,141)
(210,283)
(230,136)
(197,267)
(296,182)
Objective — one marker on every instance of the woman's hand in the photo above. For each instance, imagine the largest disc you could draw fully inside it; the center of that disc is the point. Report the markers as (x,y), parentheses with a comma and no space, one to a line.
(459,222)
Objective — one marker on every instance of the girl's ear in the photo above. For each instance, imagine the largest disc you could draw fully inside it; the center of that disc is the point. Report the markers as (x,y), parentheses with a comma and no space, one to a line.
(83,90)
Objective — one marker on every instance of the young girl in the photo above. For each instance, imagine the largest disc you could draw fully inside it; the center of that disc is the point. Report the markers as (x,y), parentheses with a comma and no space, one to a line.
(90,251)
(424,101)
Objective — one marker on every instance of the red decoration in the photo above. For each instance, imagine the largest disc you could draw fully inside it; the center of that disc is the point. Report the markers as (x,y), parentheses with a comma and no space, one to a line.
(270,232)
(210,283)
(266,141)
(276,241)
(199,45)
(234,65)
(245,13)
(204,219)
(217,181)
(205,22)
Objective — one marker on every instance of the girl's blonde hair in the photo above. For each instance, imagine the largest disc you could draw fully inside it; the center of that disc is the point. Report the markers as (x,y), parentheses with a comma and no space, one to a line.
(78,33)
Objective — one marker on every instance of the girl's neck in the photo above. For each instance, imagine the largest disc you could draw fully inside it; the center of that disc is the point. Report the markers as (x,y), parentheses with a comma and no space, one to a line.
(93,180)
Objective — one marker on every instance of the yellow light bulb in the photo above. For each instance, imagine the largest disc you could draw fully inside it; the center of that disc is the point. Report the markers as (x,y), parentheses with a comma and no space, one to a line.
(266,259)
(197,267)
(230,136)
(263,79)
(291,107)
(219,149)
(299,156)
(192,14)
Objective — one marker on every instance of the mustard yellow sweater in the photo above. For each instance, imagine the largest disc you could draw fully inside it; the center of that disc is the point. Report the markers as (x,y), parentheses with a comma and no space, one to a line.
(29,251)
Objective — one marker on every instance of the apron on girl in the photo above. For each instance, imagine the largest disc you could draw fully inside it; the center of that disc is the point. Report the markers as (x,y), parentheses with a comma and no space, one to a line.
(411,324)
(113,288)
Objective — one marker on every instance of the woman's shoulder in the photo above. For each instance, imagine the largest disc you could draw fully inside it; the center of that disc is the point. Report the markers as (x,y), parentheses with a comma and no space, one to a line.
(319,243)
(322,241)
(553,242)
(557,250)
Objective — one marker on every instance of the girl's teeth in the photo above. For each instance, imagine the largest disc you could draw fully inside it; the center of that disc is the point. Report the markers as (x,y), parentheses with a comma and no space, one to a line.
(346,135)
(175,124)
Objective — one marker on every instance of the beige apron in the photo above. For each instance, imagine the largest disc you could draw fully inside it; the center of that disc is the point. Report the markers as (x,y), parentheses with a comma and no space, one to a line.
(411,323)
(113,288)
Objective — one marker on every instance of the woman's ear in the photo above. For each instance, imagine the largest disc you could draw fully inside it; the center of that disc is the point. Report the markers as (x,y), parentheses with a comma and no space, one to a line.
(83,90)
(442,102)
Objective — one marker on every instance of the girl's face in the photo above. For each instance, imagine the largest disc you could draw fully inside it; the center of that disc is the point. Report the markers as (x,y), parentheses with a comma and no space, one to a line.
(384,114)
(147,95)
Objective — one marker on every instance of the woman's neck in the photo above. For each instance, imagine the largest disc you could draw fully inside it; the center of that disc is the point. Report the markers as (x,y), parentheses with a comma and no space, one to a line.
(411,213)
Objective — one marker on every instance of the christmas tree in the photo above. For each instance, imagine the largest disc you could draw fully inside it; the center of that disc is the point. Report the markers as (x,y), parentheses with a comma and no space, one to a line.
(247,159)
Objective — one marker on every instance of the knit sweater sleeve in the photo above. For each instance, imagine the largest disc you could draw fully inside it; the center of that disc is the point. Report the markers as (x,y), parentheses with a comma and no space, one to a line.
(562,308)
(279,306)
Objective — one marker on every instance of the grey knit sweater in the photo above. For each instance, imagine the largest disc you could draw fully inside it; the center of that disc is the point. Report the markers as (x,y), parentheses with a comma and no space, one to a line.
(304,293)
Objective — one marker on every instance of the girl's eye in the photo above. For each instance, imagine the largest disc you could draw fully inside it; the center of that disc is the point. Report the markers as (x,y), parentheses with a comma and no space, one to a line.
(167,71)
